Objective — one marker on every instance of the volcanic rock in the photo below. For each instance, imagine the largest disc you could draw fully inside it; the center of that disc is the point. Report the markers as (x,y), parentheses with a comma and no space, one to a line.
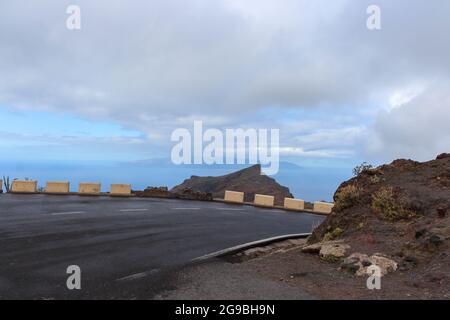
(249,181)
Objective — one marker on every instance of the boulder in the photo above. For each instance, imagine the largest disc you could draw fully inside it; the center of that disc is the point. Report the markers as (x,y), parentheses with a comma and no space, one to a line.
(358,263)
(333,251)
(313,248)
(386,265)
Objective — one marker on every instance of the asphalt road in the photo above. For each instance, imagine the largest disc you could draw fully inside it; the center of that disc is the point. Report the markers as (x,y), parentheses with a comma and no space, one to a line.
(126,248)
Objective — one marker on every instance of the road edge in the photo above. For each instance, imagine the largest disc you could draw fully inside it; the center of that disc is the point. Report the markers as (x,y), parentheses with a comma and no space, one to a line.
(249,245)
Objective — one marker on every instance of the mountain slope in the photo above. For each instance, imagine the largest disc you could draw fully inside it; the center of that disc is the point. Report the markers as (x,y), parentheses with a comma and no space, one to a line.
(249,180)
(400,210)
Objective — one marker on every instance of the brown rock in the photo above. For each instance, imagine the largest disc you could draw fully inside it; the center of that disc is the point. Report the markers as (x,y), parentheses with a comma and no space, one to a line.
(313,248)
(159,192)
(163,192)
(358,263)
(190,194)
(443,156)
(333,250)
(249,181)
(386,265)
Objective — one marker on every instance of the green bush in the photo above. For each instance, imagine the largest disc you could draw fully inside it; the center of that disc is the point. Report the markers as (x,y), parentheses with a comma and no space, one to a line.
(330,259)
(361,168)
(346,197)
(388,207)
(333,234)
(7,183)
(375,179)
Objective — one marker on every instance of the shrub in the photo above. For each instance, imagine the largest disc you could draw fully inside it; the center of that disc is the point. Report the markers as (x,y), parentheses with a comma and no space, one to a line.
(7,183)
(361,168)
(330,259)
(388,207)
(333,234)
(346,197)
(375,179)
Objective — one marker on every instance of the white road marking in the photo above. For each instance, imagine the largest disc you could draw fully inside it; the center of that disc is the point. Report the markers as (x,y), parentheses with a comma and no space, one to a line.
(132,210)
(64,213)
(276,210)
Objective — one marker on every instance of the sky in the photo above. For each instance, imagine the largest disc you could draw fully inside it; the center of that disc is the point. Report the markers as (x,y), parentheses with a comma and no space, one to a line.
(115,89)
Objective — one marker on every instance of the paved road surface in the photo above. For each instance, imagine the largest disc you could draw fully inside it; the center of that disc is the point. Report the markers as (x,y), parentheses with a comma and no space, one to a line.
(126,247)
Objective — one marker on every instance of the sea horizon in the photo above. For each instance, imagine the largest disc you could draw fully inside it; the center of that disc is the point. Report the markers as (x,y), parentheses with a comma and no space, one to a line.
(305,182)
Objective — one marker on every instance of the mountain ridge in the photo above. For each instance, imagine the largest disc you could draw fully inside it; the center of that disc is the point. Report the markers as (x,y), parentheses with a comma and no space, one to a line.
(248,180)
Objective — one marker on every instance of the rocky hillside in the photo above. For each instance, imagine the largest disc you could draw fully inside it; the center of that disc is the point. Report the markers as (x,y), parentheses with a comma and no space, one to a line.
(248,180)
(397,214)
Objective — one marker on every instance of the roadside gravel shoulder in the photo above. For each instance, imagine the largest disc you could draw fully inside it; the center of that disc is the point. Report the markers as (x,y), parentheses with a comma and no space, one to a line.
(221,280)
(284,272)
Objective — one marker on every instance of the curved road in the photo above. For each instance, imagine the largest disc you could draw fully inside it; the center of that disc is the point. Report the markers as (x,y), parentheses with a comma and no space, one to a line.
(126,247)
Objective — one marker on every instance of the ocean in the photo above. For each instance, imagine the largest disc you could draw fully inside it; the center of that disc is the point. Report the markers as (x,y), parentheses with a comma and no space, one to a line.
(308,183)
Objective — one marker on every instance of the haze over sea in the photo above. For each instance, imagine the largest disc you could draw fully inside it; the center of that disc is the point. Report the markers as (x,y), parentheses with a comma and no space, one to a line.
(309,183)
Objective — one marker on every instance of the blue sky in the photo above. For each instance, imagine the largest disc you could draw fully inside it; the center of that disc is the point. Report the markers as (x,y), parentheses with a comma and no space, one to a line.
(28,135)
(35,123)
(61,136)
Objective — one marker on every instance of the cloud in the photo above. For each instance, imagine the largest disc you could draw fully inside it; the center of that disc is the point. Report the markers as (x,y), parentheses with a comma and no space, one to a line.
(155,66)
(326,153)
(35,147)
(418,129)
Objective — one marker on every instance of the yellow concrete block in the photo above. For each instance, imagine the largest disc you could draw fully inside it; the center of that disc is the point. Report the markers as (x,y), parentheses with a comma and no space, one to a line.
(263,200)
(120,190)
(89,188)
(294,204)
(1,186)
(57,187)
(323,207)
(234,196)
(20,186)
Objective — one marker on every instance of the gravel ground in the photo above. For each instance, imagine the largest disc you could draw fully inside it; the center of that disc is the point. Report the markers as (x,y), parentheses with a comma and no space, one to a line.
(277,273)
(230,281)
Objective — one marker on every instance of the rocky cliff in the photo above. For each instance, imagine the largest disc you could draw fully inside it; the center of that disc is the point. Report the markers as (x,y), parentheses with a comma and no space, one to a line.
(400,210)
(248,180)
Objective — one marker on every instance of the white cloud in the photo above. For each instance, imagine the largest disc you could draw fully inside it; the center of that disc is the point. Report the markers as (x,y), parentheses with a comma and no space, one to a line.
(419,129)
(158,65)
(403,96)
(325,153)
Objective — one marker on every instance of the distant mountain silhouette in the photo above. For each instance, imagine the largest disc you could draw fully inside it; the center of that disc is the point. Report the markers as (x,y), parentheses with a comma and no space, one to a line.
(248,180)
(167,163)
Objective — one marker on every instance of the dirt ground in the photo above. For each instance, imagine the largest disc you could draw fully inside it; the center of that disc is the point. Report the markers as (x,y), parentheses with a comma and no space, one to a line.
(282,271)
(323,280)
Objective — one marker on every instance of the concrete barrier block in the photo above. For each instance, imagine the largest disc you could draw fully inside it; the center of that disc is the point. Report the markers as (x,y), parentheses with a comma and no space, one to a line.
(57,187)
(323,207)
(294,204)
(1,186)
(263,200)
(89,188)
(234,196)
(120,190)
(22,186)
